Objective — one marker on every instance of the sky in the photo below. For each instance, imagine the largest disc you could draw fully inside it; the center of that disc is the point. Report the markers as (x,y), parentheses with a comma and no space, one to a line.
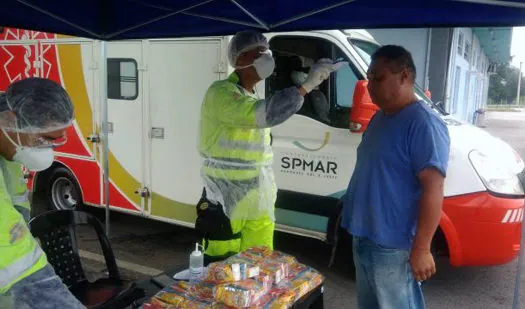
(517,48)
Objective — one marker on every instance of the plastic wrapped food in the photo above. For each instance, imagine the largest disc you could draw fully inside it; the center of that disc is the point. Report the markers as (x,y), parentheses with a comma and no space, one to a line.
(158,304)
(275,270)
(170,297)
(185,295)
(281,257)
(256,253)
(230,271)
(313,277)
(202,291)
(219,273)
(197,304)
(296,269)
(303,280)
(275,299)
(299,287)
(242,294)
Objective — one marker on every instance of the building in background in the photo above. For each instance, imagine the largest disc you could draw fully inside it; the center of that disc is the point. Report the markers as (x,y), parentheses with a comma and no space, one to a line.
(453,63)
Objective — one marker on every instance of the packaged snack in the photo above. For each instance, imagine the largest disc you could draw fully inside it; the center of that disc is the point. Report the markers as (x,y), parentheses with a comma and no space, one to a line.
(196,304)
(275,299)
(202,292)
(230,271)
(256,253)
(219,273)
(296,269)
(302,282)
(170,297)
(158,304)
(275,270)
(241,294)
(281,257)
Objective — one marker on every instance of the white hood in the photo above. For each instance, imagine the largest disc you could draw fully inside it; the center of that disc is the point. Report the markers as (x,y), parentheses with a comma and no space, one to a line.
(462,178)
(465,137)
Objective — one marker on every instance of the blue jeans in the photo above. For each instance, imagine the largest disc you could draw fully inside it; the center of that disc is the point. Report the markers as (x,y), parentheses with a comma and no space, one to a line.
(384,277)
(42,290)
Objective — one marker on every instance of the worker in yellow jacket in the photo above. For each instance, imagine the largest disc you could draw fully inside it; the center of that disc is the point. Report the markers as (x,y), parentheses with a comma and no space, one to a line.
(34,116)
(237,207)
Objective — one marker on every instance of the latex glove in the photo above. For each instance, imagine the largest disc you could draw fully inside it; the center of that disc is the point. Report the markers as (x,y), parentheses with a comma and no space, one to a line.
(319,72)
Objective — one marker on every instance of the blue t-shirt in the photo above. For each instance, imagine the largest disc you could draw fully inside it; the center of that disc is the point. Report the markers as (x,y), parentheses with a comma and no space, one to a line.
(382,199)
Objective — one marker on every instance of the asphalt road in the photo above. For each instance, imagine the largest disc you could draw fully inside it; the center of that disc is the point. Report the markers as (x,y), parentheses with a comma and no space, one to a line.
(144,247)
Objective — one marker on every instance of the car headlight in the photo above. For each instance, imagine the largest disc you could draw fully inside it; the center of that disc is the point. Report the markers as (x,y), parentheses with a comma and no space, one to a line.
(498,177)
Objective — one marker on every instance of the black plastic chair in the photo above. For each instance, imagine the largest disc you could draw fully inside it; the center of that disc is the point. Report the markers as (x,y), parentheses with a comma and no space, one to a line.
(56,231)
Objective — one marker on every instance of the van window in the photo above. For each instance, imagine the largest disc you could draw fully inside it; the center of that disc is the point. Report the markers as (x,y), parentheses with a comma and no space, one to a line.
(294,55)
(345,80)
(122,79)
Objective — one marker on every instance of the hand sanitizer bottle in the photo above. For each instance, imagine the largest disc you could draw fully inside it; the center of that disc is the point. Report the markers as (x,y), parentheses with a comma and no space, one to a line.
(196,265)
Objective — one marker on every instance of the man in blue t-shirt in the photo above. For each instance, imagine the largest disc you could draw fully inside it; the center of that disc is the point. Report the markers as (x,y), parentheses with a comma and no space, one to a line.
(393,202)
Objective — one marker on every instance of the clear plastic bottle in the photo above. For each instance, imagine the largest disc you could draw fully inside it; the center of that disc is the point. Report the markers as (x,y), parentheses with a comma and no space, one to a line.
(196,265)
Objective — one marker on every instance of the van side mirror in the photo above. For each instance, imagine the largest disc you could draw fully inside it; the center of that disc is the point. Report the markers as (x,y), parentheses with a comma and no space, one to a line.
(362,108)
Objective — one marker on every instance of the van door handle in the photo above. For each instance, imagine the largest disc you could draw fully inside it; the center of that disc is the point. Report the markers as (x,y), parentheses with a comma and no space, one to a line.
(271,139)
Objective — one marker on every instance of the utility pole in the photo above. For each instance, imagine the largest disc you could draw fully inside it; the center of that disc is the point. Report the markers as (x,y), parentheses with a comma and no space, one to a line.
(519,86)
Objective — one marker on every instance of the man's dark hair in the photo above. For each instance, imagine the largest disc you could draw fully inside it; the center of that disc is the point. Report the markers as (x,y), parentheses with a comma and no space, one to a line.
(398,56)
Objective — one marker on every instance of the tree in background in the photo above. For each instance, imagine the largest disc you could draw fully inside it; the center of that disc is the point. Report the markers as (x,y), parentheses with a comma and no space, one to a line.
(504,85)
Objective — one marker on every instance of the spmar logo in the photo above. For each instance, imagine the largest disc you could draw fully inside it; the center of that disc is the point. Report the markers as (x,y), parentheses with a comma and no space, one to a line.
(325,142)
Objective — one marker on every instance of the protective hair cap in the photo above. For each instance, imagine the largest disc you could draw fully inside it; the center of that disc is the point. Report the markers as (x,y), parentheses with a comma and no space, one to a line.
(244,41)
(35,105)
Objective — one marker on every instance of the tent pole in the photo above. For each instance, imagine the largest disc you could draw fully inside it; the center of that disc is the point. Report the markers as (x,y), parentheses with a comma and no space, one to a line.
(259,21)
(226,20)
(104,105)
(114,34)
(287,21)
(511,4)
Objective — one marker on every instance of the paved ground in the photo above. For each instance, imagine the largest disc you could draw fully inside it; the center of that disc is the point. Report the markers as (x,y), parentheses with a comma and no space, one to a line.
(144,246)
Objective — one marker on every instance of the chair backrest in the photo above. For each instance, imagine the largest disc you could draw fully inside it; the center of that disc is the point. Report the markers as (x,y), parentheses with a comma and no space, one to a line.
(56,231)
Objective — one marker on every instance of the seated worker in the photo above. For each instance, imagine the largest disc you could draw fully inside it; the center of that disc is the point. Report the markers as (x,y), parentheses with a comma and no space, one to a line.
(34,116)
(316,98)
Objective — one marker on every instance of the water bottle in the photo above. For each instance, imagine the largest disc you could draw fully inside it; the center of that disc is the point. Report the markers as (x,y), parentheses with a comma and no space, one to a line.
(196,265)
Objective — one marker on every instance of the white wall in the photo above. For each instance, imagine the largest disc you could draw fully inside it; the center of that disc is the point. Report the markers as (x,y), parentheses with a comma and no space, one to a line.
(467,94)
(414,40)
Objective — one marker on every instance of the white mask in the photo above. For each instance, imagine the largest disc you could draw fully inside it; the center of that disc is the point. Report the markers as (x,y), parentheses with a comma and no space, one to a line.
(264,65)
(34,159)
(299,77)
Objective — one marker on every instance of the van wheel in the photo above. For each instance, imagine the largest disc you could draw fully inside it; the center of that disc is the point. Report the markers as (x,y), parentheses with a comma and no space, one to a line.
(63,191)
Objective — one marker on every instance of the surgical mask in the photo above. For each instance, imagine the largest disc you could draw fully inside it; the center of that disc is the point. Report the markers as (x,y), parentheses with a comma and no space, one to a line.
(34,159)
(264,65)
(299,78)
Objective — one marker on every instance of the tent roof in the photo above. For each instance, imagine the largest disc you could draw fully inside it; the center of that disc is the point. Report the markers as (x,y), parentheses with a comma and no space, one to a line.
(128,19)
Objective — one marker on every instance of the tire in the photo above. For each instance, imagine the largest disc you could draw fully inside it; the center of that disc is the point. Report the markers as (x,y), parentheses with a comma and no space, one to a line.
(63,191)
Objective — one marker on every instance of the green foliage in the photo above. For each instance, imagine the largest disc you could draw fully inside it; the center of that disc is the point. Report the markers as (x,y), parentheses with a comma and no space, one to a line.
(504,84)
